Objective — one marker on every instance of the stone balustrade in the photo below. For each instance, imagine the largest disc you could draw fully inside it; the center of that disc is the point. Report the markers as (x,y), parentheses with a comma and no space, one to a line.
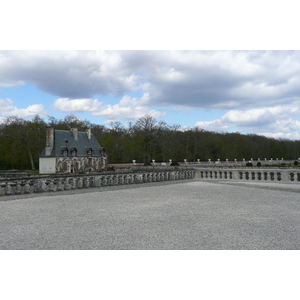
(53,184)
(258,174)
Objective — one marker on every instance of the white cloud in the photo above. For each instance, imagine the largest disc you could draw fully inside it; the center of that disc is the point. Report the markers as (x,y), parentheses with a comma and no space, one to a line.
(77,105)
(277,122)
(199,79)
(128,108)
(261,89)
(282,135)
(260,116)
(7,109)
(69,74)
(223,79)
(215,125)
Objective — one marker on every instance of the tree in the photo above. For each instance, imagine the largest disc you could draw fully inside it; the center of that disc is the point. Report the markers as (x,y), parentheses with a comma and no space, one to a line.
(150,131)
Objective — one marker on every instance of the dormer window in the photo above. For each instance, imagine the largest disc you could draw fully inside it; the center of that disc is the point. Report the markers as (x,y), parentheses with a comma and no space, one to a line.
(74,152)
(90,152)
(65,152)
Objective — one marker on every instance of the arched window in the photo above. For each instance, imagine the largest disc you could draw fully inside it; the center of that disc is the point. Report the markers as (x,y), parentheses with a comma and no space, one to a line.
(74,152)
(65,152)
(90,152)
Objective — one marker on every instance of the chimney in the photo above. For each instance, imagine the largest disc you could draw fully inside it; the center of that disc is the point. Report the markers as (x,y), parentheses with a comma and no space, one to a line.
(89,133)
(49,140)
(75,133)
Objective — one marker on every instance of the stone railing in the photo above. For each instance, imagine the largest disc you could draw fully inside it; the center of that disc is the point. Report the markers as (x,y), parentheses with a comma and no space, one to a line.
(56,183)
(292,175)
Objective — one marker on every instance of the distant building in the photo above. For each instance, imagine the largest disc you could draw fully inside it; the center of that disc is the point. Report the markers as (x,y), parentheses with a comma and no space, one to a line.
(71,152)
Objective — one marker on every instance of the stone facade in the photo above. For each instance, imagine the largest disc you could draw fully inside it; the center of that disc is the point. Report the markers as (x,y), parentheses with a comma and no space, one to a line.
(79,165)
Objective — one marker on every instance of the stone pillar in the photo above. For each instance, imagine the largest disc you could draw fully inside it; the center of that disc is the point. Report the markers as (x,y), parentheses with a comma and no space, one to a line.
(8,190)
(97,181)
(104,181)
(67,184)
(80,183)
(2,188)
(125,179)
(116,180)
(110,181)
(19,187)
(51,185)
(259,175)
(60,186)
(278,176)
(247,175)
(27,187)
(154,177)
(167,175)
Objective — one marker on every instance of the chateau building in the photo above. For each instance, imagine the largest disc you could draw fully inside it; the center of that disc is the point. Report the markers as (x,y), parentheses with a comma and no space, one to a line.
(71,152)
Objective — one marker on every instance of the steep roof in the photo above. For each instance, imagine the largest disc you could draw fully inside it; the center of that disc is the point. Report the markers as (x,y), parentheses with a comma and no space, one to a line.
(65,139)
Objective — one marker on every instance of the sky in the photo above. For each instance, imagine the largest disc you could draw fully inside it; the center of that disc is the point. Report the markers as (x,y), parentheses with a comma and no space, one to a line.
(224,91)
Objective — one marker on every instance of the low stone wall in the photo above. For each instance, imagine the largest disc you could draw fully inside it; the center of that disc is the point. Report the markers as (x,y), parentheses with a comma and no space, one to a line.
(53,184)
(258,174)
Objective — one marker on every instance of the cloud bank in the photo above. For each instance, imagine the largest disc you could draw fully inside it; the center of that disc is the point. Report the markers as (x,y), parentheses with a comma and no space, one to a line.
(199,79)
(7,109)
(277,122)
(257,90)
(128,108)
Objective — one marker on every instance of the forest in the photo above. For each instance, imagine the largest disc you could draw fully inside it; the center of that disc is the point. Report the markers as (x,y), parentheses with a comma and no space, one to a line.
(21,142)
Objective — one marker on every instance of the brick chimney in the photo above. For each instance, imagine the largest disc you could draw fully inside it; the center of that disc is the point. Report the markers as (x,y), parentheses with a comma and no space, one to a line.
(49,140)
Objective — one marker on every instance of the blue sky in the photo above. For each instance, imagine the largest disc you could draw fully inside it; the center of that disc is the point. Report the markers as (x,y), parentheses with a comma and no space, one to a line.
(247,91)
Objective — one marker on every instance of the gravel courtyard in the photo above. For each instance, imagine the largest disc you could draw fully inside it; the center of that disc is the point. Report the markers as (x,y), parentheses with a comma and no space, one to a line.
(185,214)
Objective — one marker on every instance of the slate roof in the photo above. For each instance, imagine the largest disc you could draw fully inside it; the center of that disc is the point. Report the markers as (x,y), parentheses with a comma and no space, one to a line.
(65,139)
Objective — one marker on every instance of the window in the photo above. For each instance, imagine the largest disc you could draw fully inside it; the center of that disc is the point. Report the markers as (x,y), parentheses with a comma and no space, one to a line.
(90,152)
(90,162)
(74,152)
(65,152)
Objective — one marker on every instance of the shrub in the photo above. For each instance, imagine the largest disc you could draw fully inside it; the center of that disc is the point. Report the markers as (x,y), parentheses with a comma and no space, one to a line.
(174,163)
(295,163)
(249,164)
(147,163)
(258,164)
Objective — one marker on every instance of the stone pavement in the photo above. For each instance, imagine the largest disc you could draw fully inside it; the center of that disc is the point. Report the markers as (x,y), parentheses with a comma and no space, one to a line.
(184,214)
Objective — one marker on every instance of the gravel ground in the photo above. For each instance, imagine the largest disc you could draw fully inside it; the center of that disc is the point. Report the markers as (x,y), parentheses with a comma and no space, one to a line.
(171,215)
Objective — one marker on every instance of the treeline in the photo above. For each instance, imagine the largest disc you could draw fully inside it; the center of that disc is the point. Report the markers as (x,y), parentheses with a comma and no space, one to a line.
(21,142)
